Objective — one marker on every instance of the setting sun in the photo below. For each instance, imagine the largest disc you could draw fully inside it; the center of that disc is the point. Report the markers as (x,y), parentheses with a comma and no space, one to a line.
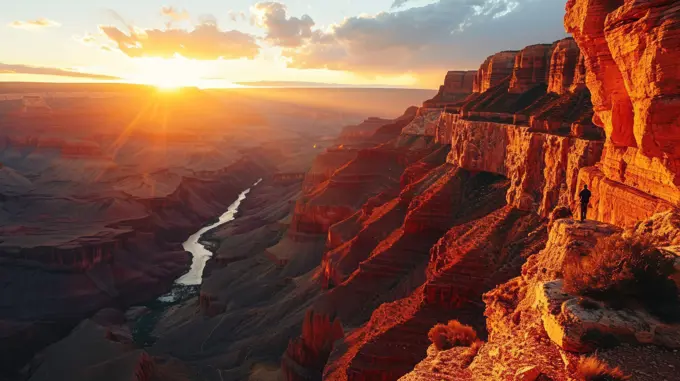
(169,73)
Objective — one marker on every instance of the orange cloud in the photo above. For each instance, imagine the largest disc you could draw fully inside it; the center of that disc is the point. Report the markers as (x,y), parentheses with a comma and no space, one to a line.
(175,14)
(26,69)
(205,42)
(34,24)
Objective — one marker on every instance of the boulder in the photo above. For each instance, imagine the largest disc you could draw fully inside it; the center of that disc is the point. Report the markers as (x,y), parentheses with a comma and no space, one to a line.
(582,325)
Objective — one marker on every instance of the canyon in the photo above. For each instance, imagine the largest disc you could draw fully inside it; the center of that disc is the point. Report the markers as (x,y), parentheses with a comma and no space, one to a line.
(93,218)
(460,208)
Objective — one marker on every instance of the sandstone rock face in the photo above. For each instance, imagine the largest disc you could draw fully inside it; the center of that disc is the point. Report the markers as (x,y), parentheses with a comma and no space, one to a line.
(540,166)
(496,68)
(424,124)
(533,326)
(576,328)
(459,82)
(457,85)
(306,356)
(613,106)
(531,68)
(563,66)
(633,73)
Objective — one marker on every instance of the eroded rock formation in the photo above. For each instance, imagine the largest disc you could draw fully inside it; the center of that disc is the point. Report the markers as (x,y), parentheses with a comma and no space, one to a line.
(457,85)
(495,69)
(632,72)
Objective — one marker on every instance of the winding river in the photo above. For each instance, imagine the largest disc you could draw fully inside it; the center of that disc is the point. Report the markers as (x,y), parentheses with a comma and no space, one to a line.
(200,254)
(188,285)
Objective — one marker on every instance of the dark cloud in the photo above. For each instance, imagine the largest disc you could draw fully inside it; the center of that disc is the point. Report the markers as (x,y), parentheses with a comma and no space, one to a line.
(448,34)
(34,24)
(282,30)
(205,42)
(26,69)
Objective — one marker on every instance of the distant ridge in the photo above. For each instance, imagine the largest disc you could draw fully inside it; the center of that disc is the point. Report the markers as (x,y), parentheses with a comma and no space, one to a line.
(320,84)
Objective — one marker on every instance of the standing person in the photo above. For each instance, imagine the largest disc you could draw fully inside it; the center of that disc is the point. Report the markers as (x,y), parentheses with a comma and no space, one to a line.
(585,199)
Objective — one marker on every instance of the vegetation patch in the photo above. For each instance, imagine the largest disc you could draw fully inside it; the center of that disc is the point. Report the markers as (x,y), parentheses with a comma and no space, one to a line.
(453,334)
(621,271)
(592,369)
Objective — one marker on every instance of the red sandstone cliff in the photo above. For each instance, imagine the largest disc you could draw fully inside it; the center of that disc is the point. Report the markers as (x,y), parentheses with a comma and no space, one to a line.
(629,50)
(457,85)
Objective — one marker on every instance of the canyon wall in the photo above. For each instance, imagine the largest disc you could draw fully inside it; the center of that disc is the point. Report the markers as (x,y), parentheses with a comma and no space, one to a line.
(630,55)
(457,85)
(529,121)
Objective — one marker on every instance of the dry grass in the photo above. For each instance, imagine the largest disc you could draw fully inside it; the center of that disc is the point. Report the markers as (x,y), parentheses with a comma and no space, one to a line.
(453,334)
(592,369)
(620,270)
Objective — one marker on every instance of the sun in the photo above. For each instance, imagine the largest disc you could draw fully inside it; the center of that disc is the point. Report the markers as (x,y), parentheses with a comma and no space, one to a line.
(168,74)
(168,86)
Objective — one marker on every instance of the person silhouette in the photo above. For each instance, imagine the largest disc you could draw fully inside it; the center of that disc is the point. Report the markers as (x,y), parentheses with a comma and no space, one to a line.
(584,196)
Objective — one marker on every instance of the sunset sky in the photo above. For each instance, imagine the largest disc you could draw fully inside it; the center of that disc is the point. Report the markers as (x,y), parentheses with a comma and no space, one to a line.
(213,43)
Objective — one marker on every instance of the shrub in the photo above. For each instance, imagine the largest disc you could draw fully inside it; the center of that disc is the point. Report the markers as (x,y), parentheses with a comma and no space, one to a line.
(453,334)
(620,269)
(592,369)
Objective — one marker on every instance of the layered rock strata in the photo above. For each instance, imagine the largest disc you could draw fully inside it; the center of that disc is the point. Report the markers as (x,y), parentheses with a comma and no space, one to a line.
(457,85)
(632,72)
(542,168)
(531,315)
(495,69)
(565,73)
(532,65)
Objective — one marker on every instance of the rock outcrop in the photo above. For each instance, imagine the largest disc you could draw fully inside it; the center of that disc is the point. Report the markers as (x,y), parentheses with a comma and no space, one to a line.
(457,85)
(632,73)
(565,72)
(582,325)
(531,315)
(542,168)
(495,69)
(306,356)
(532,65)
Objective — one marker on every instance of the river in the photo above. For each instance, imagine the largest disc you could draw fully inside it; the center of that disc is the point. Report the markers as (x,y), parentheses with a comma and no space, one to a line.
(188,285)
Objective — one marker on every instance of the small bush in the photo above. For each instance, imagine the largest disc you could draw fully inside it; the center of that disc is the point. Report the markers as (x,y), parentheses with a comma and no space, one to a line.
(453,334)
(620,269)
(592,369)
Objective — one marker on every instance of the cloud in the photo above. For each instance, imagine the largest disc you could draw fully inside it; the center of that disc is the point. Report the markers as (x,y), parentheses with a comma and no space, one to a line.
(34,24)
(237,16)
(204,42)
(446,34)
(26,69)
(282,30)
(174,14)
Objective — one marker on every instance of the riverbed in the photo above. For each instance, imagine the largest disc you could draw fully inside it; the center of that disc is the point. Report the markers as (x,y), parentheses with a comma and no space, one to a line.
(188,285)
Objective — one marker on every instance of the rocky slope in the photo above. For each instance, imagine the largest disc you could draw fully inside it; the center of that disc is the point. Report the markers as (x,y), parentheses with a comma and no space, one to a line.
(536,330)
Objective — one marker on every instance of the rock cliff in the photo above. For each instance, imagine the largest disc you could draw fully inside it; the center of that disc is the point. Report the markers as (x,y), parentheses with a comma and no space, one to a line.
(495,69)
(632,73)
(457,85)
